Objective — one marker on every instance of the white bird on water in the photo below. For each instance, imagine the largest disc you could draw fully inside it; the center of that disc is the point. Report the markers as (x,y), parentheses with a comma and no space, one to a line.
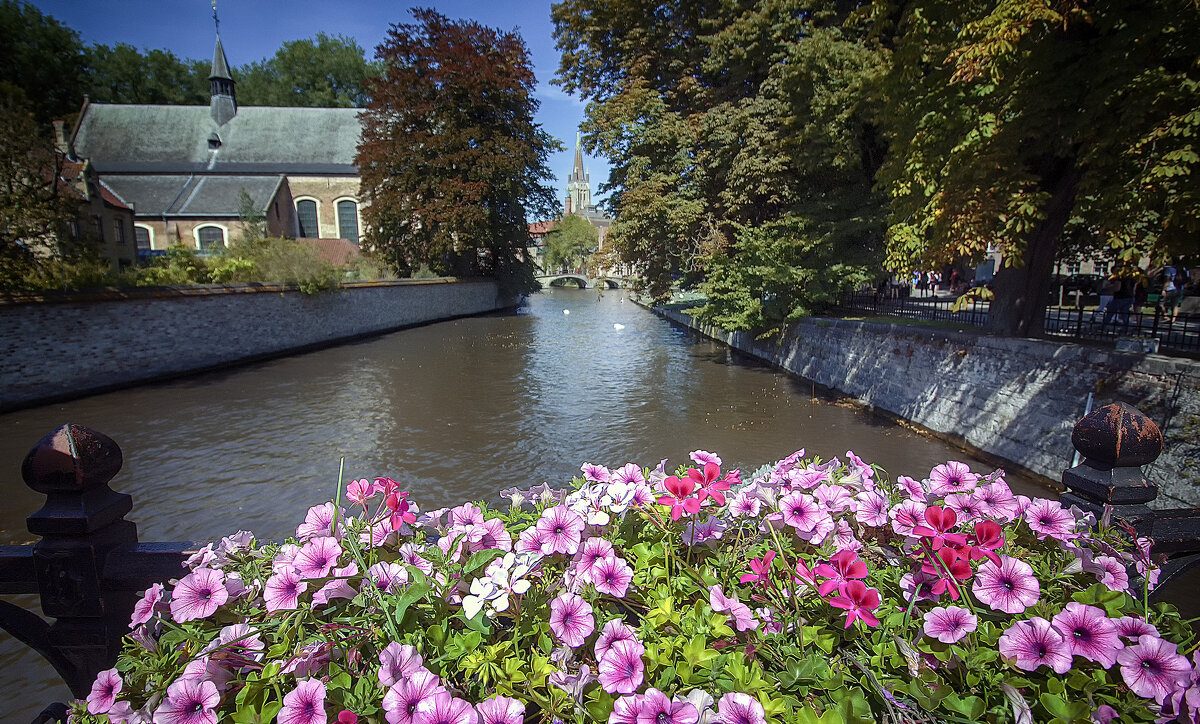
(566,311)
(618,326)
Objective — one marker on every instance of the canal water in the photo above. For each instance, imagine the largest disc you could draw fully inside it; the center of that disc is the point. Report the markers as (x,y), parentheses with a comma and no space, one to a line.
(454,411)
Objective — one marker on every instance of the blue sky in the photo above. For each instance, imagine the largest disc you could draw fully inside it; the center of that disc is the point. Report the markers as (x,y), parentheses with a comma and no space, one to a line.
(254,29)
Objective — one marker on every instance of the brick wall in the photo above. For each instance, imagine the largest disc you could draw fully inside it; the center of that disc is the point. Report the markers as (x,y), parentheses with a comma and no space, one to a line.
(1016,399)
(66,346)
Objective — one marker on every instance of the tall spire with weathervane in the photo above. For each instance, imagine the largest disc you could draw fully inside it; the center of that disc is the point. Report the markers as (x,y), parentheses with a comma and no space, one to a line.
(223,102)
(579,184)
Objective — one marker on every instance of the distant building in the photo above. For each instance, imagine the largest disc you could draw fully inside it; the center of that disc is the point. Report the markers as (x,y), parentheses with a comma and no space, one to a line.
(579,196)
(183,169)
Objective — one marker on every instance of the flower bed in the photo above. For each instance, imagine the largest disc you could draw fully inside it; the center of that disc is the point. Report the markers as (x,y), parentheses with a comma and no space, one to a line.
(810,592)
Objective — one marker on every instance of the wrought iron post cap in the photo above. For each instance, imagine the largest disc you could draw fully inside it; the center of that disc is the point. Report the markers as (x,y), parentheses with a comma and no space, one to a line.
(71,459)
(1118,435)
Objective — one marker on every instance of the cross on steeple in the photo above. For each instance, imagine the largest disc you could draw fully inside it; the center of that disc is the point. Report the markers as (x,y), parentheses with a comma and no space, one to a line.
(216,20)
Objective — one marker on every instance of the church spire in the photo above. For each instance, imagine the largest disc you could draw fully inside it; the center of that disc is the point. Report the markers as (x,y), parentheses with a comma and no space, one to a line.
(223,101)
(579,186)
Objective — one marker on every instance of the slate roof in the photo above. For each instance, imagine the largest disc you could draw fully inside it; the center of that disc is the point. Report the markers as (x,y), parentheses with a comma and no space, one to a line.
(258,140)
(193,195)
(220,66)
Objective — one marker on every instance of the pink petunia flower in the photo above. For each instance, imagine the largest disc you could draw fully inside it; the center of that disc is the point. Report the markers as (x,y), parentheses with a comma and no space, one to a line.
(305,704)
(317,557)
(871,509)
(145,608)
(1010,587)
(697,533)
(571,619)
(952,477)
(613,631)
(386,576)
(1089,633)
(198,595)
(997,501)
(500,710)
(1110,571)
(621,669)
(629,474)
(1034,643)
(1153,668)
(949,624)
(240,646)
(858,601)
(625,709)
(1048,518)
(912,488)
(466,514)
(833,498)
(398,662)
(205,668)
(401,701)
(656,708)
(612,576)
(800,510)
(319,522)
(560,529)
(104,692)
(189,702)
(737,708)
(593,550)
(965,506)
(595,473)
(745,503)
(339,587)
(530,541)
(906,516)
(743,618)
(283,590)
(1132,627)
(704,457)
(445,708)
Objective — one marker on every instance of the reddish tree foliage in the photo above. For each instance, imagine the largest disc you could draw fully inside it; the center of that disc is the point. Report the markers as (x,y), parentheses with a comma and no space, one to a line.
(451,159)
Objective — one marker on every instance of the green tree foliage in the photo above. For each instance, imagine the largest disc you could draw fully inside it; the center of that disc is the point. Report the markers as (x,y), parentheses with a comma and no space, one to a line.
(326,71)
(1024,125)
(744,140)
(123,74)
(43,58)
(451,159)
(571,241)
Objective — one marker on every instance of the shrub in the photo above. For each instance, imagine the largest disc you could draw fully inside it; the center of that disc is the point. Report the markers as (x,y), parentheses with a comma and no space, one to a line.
(815,592)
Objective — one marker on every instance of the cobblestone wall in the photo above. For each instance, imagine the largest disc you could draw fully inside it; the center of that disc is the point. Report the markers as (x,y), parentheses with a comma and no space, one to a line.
(60,347)
(1016,399)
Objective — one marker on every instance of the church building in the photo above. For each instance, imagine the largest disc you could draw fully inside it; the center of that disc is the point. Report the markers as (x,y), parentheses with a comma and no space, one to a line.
(579,196)
(184,169)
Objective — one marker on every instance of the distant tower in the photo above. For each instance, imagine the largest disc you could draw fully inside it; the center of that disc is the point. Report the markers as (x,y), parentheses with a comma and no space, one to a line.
(223,104)
(579,185)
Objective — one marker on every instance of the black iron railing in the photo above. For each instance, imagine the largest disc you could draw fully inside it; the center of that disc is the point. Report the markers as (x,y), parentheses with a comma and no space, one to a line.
(89,567)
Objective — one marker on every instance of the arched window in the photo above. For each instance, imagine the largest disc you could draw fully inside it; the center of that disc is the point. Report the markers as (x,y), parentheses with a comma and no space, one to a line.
(306,213)
(210,238)
(347,212)
(144,236)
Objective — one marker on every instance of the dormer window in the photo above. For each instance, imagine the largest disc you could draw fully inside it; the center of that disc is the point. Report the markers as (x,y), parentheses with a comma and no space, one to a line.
(214,142)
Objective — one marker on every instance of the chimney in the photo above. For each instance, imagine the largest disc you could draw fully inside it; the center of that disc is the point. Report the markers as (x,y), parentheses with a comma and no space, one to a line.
(61,142)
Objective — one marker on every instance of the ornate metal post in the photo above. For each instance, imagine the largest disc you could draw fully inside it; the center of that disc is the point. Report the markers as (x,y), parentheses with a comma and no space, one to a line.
(80,524)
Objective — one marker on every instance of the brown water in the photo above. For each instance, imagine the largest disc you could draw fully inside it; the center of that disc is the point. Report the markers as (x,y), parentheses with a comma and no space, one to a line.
(455,411)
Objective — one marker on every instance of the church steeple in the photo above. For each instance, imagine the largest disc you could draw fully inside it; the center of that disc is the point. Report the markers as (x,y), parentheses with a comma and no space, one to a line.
(223,102)
(579,184)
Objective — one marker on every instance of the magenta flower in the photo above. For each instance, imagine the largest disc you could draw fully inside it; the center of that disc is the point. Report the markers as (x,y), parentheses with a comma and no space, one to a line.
(630,474)
(704,457)
(595,473)
(189,701)
(360,491)
(842,567)
(613,631)
(398,662)
(871,509)
(906,516)
(800,510)
(466,514)
(1111,572)
(317,557)
(283,590)
(1049,518)
(387,577)
(401,701)
(198,595)
(1132,627)
(1153,668)
(500,710)
(745,503)
(949,624)
(997,501)
(656,708)
(1010,587)
(937,525)
(834,498)
(144,609)
(621,669)
(571,619)
(625,709)
(319,522)
(530,541)
(988,538)
(952,477)
(912,488)
(339,587)
(735,708)
(592,551)
(965,505)
(612,576)
(104,692)
(680,498)
(445,708)
(305,704)
(1034,643)
(710,484)
(1089,633)
(761,569)
(560,529)
(743,619)
(858,601)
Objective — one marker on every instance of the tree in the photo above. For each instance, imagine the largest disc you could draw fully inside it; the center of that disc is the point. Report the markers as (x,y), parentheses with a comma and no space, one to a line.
(122,74)
(43,58)
(451,159)
(1018,124)
(570,242)
(35,206)
(325,71)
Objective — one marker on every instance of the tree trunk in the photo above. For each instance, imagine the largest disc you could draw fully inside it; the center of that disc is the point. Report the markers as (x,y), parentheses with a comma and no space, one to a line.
(1019,307)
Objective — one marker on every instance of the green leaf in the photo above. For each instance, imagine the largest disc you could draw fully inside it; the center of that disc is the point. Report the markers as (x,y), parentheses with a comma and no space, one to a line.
(972,707)
(480,559)
(411,595)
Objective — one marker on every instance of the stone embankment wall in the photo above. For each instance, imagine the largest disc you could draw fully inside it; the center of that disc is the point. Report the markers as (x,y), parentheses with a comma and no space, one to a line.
(67,346)
(1015,399)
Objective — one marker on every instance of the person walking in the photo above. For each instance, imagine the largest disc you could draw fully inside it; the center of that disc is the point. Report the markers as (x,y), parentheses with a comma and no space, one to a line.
(1107,290)
(1122,302)
(1174,277)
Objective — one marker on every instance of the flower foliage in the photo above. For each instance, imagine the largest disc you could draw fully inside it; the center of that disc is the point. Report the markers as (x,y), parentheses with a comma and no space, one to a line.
(813,592)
